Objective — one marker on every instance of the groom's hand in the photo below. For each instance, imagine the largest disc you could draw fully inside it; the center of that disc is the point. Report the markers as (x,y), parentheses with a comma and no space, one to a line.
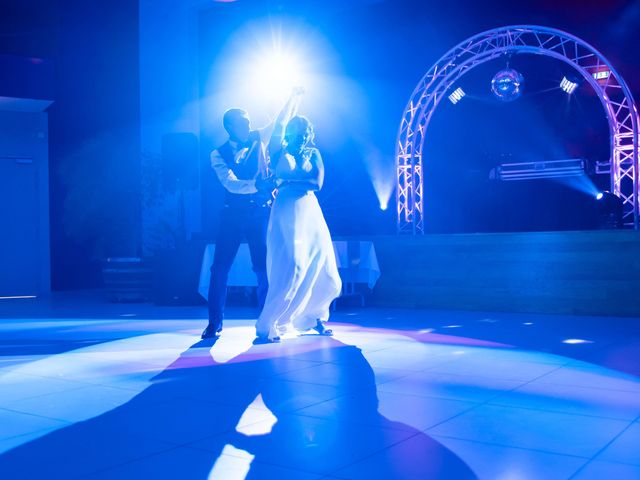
(266,184)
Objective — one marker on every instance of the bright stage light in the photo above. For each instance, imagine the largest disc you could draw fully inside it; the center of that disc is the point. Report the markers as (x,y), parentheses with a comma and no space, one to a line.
(260,63)
(599,196)
(278,72)
(384,189)
(568,86)
(381,170)
(457,95)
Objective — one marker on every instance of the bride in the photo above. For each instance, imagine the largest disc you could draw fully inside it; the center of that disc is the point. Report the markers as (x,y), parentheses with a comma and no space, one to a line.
(301,264)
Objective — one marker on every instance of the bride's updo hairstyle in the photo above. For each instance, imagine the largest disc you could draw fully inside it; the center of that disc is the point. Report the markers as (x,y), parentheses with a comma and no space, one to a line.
(297,129)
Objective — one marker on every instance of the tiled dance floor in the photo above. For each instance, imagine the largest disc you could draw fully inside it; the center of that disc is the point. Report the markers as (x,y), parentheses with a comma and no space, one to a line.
(100,391)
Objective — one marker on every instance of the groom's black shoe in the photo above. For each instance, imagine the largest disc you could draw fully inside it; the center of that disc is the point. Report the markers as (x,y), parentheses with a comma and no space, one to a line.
(212,331)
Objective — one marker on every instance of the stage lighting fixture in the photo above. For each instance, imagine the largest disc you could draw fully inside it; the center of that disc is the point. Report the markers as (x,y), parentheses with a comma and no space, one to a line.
(568,86)
(507,85)
(572,167)
(457,95)
(601,75)
(609,209)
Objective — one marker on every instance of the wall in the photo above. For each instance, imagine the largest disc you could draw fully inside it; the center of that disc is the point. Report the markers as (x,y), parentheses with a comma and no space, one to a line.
(169,83)
(95,147)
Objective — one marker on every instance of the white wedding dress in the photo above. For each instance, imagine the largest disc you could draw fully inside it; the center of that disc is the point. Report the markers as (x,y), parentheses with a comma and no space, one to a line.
(301,263)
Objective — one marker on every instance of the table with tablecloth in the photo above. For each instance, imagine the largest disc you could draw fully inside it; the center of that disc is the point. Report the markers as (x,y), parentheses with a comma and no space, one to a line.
(357,264)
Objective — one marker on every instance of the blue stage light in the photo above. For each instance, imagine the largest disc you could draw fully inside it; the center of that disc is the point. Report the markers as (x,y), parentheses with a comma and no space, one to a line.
(568,86)
(457,95)
(381,170)
(599,196)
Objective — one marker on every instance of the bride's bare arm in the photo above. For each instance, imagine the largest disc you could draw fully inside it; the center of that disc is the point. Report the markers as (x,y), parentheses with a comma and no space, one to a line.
(310,173)
(289,110)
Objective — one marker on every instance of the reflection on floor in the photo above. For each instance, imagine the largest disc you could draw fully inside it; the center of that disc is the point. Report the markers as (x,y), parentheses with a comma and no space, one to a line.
(99,391)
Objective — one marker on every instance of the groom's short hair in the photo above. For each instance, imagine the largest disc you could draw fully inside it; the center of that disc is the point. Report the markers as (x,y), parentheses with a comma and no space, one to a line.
(230,114)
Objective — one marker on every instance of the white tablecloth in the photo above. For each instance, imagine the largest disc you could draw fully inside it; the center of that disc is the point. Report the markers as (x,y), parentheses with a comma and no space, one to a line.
(357,263)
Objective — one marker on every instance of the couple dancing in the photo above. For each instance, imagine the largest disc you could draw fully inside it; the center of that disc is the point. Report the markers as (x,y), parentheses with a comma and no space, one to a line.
(290,245)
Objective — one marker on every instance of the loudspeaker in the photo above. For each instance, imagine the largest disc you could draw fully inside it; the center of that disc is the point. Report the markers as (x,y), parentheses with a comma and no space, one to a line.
(180,161)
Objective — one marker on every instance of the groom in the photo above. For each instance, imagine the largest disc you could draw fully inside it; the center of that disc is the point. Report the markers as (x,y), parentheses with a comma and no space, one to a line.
(241,165)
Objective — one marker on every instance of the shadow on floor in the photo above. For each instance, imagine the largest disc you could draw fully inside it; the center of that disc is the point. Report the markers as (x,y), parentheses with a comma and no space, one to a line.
(199,417)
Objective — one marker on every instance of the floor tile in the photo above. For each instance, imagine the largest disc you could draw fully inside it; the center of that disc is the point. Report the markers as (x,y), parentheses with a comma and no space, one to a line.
(597,470)
(413,357)
(192,463)
(177,421)
(75,451)
(487,367)
(345,376)
(404,411)
(508,355)
(593,376)
(13,442)
(15,423)
(17,386)
(533,429)
(625,448)
(310,444)
(497,462)
(572,399)
(74,405)
(418,457)
(457,387)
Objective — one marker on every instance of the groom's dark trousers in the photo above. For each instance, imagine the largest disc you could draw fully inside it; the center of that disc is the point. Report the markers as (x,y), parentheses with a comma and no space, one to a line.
(236,225)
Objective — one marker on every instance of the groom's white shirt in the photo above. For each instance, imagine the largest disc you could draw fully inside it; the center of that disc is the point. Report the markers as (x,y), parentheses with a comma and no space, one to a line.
(227,178)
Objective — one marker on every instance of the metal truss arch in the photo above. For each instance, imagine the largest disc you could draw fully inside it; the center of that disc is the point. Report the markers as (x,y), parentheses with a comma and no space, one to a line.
(614,94)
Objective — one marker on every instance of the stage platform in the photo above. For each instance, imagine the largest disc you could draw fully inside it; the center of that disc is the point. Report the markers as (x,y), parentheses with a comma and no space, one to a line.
(95,390)
(585,273)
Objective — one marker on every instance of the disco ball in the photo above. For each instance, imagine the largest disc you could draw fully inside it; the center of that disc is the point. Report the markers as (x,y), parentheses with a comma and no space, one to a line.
(507,85)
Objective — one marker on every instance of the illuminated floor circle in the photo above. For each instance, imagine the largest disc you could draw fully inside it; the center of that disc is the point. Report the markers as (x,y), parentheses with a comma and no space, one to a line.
(125,397)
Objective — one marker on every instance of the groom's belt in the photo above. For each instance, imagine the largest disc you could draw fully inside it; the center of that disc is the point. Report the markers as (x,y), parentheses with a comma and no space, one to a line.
(247,200)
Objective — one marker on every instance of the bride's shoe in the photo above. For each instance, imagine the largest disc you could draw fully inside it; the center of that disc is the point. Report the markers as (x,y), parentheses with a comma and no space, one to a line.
(260,340)
(322,330)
